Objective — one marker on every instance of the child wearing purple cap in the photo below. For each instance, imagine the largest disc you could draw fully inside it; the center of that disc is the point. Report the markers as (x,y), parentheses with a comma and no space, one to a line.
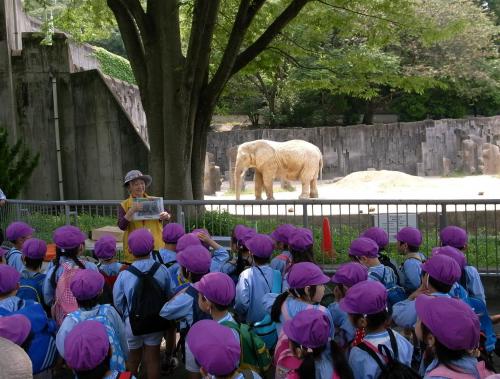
(345,277)
(87,287)
(280,235)
(367,307)
(105,252)
(452,343)
(17,232)
(256,281)
(457,237)
(306,289)
(440,273)
(310,352)
(170,235)
(128,293)
(88,352)
(409,240)
(31,283)
(216,293)
(216,351)
(234,266)
(69,242)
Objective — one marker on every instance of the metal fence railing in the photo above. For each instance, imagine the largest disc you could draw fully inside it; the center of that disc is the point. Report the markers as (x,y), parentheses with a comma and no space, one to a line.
(347,219)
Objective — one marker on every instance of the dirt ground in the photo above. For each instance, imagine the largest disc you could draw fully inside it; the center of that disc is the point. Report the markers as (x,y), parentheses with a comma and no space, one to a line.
(386,185)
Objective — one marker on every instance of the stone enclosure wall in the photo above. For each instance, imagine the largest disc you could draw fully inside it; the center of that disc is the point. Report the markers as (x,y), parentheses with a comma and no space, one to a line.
(430,147)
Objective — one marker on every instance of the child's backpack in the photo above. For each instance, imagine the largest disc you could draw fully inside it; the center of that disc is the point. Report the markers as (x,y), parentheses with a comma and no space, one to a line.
(489,338)
(254,353)
(117,361)
(266,328)
(109,282)
(392,368)
(42,350)
(395,293)
(64,301)
(147,302)
(386,261)
(157,257)
(31,288)
(285,258)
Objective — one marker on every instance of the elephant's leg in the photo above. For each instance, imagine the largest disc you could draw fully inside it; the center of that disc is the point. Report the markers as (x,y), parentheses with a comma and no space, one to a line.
(314,188)
(305,189)
(258,185)
(268,186)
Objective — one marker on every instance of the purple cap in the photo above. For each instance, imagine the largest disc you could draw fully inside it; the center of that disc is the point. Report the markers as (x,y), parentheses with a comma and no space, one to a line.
(195,259)
(141,242)
(436,312)
(309,328)
(350,273)
(18,229)
(34,248)
(260,245)
(363,247)
(301,239)
(68,237)
(217,287)
(187,240)
(214,347)
(443,269)
(9,279)
(243,233)
(86,345)
(105,247)
(411,236)
(86,284)
(282,233)
(201,231)
(305,274)
(172,232)
(366,298)
(453,236)
(451,252)
(379,235)
(15,328)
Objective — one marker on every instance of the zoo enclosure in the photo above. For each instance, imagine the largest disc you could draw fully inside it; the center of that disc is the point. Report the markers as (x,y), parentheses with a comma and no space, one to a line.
(347,219)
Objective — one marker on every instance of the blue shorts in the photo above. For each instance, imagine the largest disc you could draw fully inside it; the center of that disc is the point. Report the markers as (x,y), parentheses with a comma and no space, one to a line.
(136,342)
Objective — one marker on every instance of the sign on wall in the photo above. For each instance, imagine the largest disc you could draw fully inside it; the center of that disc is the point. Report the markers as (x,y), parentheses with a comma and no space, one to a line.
(392,222)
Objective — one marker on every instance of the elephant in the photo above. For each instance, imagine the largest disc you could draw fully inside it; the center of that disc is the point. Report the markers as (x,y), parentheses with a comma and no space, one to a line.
(290,160)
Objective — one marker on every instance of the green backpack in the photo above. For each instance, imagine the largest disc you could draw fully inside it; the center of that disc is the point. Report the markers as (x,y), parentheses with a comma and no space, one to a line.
(254,353)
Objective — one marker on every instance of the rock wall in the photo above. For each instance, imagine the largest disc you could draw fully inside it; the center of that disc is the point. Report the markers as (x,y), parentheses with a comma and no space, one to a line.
(412,147)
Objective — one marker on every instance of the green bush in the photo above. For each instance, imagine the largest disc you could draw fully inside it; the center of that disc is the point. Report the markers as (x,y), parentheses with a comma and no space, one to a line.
(114,65)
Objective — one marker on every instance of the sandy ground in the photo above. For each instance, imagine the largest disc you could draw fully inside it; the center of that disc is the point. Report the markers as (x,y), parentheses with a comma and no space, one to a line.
(387,185)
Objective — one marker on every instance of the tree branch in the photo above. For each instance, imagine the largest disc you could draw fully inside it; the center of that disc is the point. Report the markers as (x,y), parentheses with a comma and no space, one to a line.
(135,9)
(271,32)
(133,43)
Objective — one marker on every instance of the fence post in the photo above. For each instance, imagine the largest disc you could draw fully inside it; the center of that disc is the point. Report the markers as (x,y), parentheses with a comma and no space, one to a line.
(305,221)
(18,211)
(443,217)
(180,215)
(67,214)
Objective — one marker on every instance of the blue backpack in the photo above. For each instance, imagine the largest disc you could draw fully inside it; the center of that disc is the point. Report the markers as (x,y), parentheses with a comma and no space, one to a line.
(42,350)
(266,328)
(31,288)
(395,293)
(117,361)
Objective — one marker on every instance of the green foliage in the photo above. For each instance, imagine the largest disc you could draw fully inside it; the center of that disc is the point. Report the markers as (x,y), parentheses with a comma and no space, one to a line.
(16,165)
(114,65)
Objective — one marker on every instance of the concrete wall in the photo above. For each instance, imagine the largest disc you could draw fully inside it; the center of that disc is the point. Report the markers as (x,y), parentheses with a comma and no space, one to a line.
(99,143)
(397,146)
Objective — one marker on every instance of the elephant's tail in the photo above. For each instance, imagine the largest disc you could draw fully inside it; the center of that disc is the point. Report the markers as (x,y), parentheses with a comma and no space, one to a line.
(321,167)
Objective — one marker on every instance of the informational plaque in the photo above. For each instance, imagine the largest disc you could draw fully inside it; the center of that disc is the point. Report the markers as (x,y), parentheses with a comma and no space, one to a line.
(151,208)
(393,222)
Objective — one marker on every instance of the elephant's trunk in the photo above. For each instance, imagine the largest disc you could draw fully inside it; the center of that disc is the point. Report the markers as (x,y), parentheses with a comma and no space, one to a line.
(238,174)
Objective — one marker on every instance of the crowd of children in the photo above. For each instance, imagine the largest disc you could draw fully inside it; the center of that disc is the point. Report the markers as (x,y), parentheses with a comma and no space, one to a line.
(254,311)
